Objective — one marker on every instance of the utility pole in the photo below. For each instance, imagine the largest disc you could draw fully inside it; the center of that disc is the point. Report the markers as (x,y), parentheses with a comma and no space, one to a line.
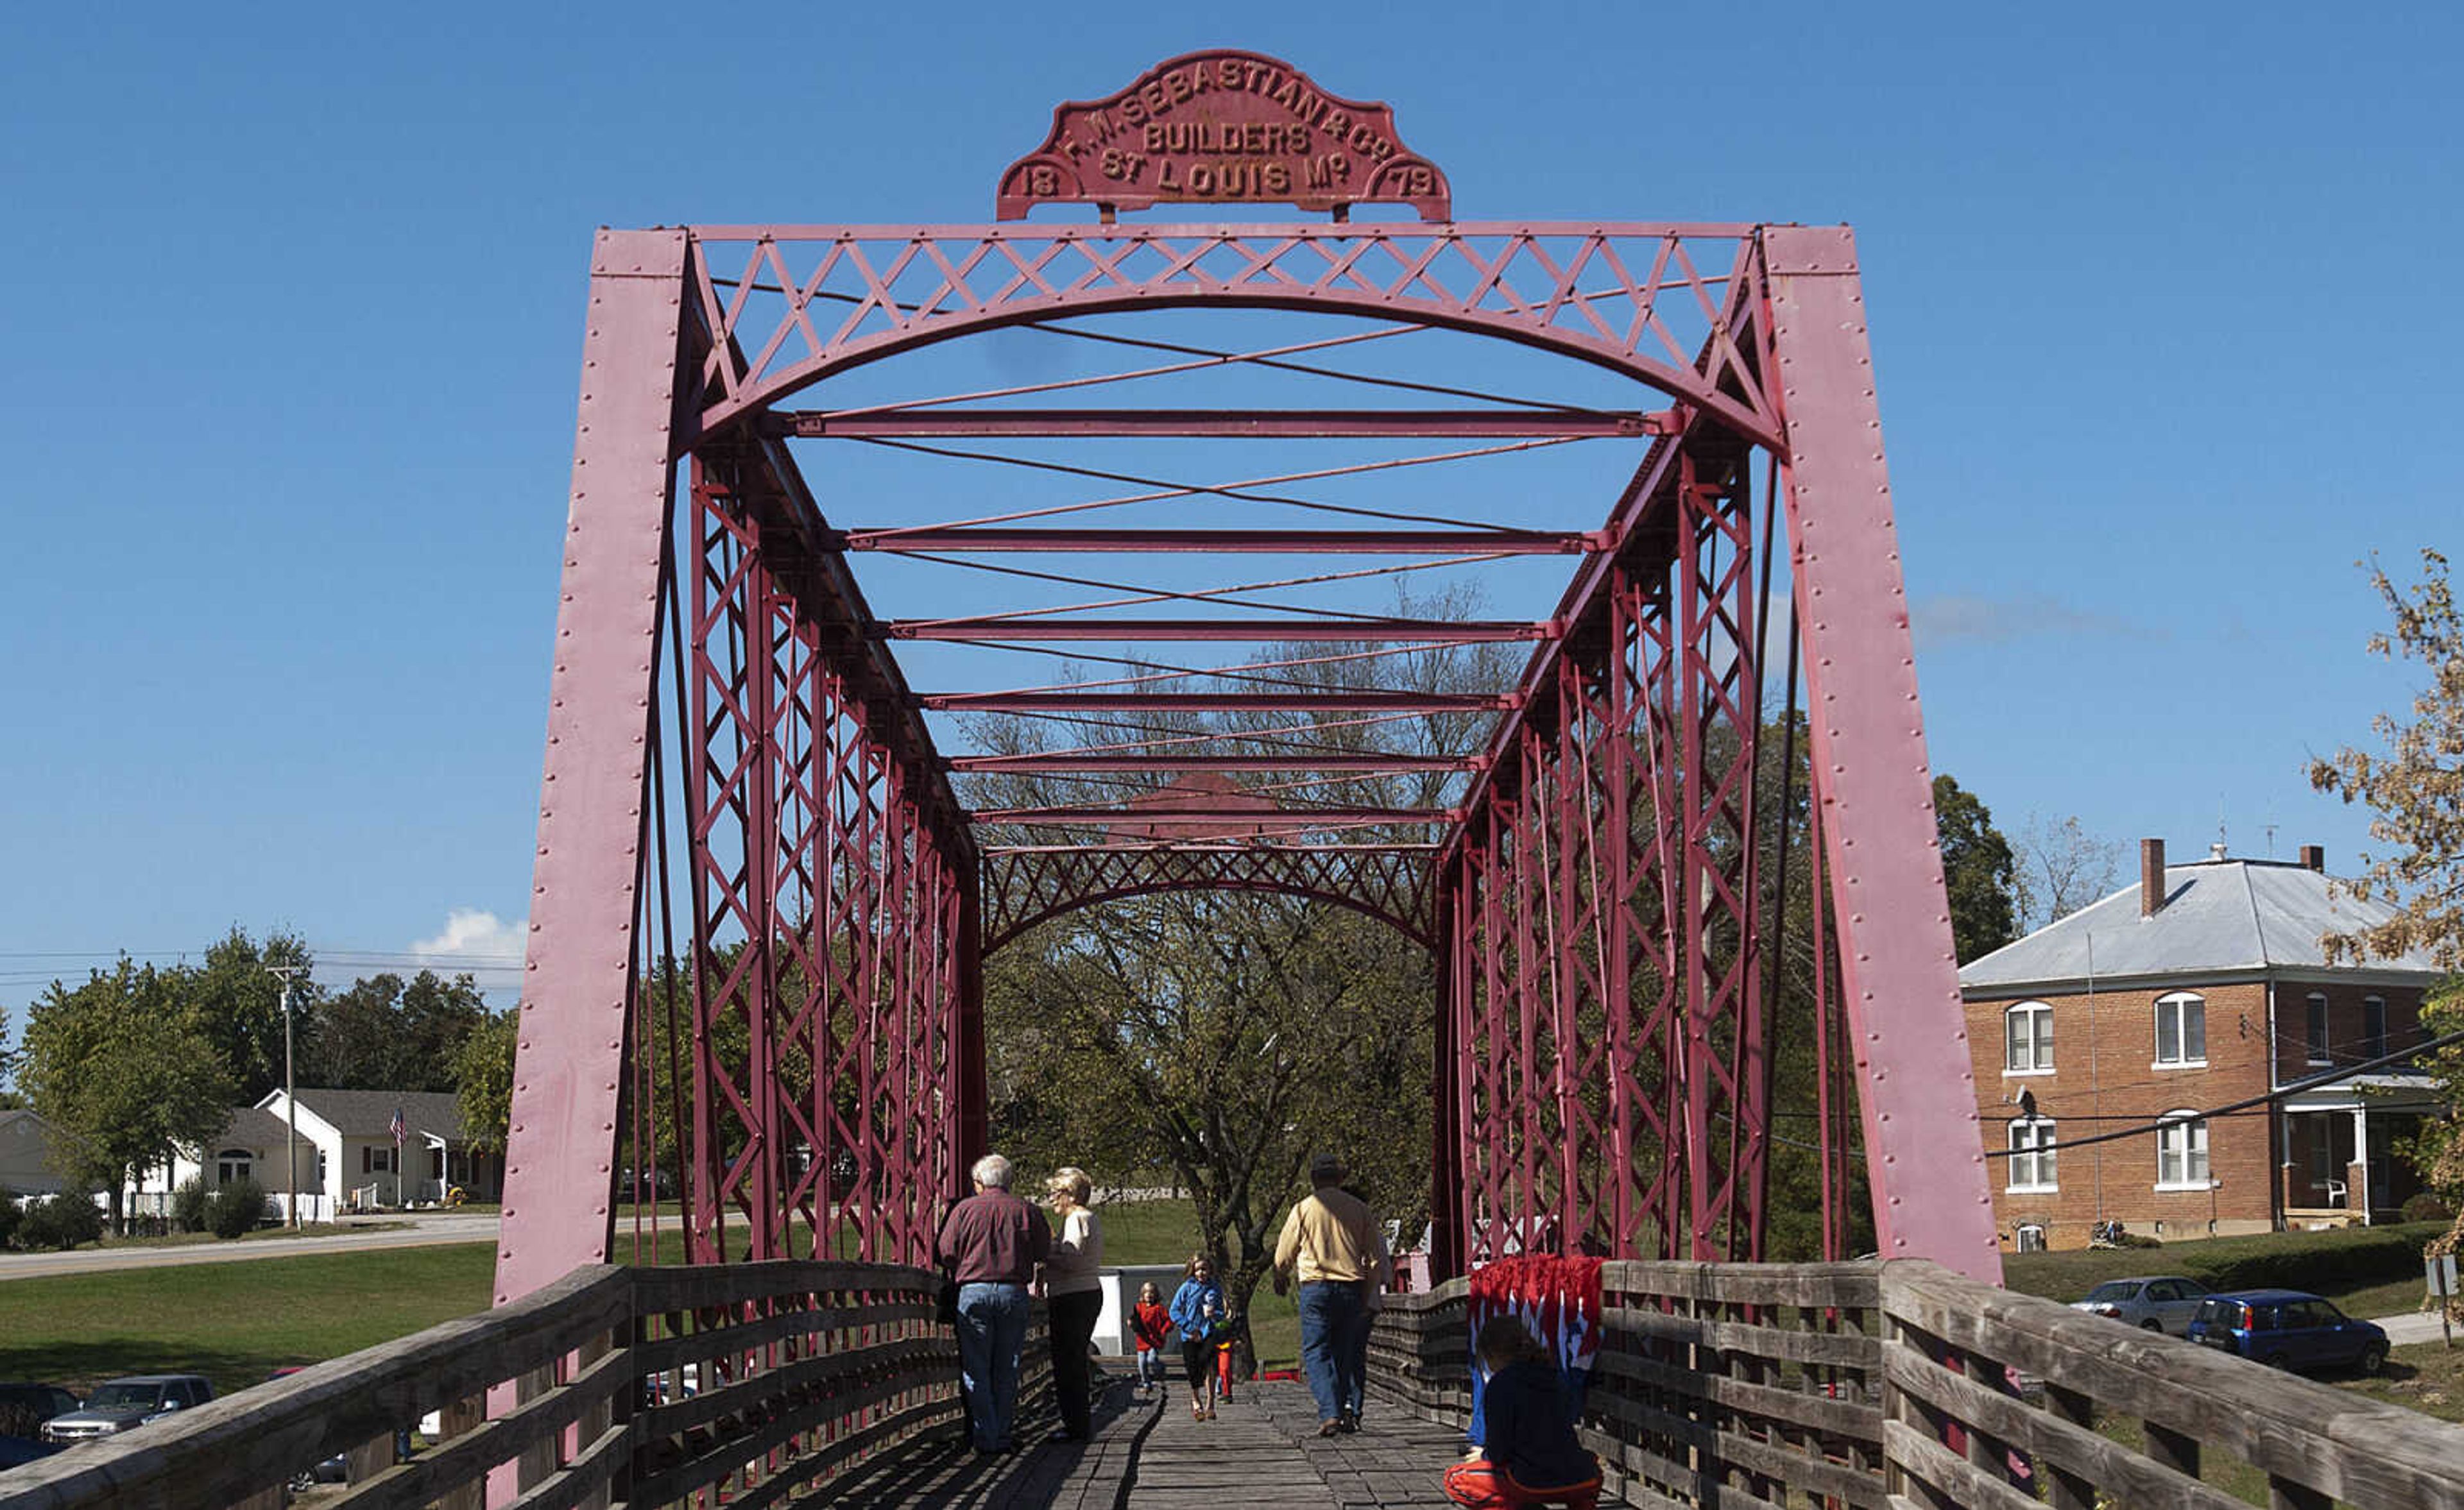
(290,1098)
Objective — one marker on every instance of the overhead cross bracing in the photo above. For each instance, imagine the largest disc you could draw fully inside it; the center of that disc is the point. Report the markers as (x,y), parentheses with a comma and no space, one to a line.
(1430,570)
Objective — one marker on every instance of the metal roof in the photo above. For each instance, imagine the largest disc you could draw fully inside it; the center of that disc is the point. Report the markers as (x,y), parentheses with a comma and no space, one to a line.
(2219,916)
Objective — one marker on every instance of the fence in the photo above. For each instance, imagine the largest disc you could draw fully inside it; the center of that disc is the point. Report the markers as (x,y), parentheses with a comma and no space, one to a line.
(619,1388)
(1903,1385)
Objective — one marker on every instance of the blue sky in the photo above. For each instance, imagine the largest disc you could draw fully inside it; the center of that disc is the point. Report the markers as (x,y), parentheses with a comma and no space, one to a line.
(292,330)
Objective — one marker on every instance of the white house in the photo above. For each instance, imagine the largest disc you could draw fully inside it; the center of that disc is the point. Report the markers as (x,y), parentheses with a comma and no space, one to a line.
(249,1147)
(346,1152)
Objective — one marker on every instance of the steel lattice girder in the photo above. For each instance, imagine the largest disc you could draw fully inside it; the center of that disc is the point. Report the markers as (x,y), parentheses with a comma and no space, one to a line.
(1757,333)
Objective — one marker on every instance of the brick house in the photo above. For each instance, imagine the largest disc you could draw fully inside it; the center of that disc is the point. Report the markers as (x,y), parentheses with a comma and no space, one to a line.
(2202,989)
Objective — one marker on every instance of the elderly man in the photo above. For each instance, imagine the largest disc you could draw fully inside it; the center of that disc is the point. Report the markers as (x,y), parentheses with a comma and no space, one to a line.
(991,1245)
(1339,1254)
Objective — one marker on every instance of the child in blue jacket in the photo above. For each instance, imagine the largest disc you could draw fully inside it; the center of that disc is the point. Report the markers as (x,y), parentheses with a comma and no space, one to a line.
(1197,1307)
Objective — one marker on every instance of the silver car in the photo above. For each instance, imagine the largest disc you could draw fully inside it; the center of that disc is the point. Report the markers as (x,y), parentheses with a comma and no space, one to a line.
(2160,1303)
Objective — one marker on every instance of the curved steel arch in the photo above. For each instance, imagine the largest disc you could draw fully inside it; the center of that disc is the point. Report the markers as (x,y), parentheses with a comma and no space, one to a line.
(1570,289)
(1022,891)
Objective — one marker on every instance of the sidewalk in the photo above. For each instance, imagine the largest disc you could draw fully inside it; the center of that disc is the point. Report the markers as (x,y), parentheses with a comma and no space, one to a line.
(2413,1327)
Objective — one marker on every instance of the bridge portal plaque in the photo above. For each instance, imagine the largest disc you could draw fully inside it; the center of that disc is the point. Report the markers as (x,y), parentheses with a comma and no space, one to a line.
(1224,128)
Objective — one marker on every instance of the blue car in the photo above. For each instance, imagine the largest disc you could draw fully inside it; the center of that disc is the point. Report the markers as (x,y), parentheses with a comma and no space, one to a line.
(2288,1329)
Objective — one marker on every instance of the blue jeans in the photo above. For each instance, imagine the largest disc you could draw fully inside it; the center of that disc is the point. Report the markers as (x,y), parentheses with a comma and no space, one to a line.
(992,1329)
(1334,1343)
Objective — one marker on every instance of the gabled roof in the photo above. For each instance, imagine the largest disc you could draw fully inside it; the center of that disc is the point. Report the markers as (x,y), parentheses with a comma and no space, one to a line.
(2219,916)
(249,1127)
(369,1114)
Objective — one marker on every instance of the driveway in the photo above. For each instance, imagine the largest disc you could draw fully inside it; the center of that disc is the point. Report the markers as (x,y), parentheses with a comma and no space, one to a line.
(417,1231)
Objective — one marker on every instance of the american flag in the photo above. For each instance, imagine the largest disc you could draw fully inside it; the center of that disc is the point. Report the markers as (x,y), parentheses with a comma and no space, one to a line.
(400,1129)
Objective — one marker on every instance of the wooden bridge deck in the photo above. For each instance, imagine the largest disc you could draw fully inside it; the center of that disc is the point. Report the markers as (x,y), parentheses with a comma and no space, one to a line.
(1260,1451)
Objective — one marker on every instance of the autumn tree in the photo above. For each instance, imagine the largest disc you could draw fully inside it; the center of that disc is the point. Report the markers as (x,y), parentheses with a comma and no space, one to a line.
(2414,788)
(126,1063)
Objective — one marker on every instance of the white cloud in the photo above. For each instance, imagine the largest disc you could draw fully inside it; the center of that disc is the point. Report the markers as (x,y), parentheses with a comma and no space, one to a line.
(476,941)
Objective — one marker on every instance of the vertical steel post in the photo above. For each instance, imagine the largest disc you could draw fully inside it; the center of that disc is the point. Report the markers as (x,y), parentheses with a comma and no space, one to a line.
(1898,977)
(569,1060)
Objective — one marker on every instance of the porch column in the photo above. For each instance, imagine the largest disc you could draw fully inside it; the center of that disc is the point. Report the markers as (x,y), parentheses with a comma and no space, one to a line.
(2357,1173)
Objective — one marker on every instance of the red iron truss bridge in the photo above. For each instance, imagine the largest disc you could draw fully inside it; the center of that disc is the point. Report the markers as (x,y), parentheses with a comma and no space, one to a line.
(780,830)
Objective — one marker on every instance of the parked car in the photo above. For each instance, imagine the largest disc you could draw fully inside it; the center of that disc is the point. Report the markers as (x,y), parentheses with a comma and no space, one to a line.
(123,1402)
(2288,1329)
(2155,1302)
(24,1408)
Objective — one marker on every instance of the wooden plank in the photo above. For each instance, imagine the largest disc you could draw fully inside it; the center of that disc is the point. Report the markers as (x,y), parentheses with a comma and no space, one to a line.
(209,1457)
(1830,1349)
(1928,1463)
(1846,1286)
(913,1362)
(583,1482)
(717,1286)
(460,1418)
(530,1430)
(2357,1450)
(2064,1447)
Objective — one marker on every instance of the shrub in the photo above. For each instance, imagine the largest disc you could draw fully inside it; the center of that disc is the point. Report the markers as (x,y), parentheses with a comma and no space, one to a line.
(9,1214)
(63,1221)
(2427,1207)
(237,1208)
(189,1206)
(2138,1240)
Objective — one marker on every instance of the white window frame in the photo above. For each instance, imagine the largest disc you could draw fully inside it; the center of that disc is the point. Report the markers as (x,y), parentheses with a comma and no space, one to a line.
(2180,1003)
(2316,1045)
(2183,1145)
(2374,1043)
(2029,1236)
(2034,1148)
(2035,1065)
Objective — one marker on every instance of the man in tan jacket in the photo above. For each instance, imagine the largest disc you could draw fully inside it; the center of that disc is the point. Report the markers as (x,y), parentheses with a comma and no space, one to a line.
(1338,1253)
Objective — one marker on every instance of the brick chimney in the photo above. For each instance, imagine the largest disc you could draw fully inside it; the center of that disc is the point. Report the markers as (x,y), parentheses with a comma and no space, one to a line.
(2313,858)
(2151,877)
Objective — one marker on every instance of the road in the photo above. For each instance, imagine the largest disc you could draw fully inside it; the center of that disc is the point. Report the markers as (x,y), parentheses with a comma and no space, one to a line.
(420,1231)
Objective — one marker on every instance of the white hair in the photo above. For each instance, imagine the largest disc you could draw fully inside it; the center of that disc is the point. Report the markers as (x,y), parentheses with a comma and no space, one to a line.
(991,1172)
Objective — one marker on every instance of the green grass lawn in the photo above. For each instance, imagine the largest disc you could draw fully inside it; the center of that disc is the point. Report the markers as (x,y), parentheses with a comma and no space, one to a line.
(233,1322)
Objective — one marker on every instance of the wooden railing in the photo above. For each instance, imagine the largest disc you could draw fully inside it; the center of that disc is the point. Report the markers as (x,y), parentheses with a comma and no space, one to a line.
(1903,1385)
(618,1388)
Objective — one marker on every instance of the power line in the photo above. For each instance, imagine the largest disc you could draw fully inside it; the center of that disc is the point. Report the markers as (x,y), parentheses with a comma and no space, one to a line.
(2181,1119)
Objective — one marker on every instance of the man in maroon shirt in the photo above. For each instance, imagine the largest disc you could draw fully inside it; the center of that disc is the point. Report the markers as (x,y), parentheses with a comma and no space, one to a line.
(991,1244)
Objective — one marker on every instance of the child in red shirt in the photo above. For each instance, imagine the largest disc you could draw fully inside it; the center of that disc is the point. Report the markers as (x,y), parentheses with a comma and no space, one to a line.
(1149,1323)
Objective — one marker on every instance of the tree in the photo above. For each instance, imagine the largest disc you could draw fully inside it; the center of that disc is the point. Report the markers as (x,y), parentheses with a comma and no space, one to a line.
(384,1033)
(1222,1039)
(483,1074)
(2063,867)
(2415,793)
(1978,869)
(239,1001)
(126,1065)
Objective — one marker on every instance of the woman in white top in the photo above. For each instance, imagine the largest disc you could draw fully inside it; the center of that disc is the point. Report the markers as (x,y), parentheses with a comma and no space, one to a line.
(1073,1283)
